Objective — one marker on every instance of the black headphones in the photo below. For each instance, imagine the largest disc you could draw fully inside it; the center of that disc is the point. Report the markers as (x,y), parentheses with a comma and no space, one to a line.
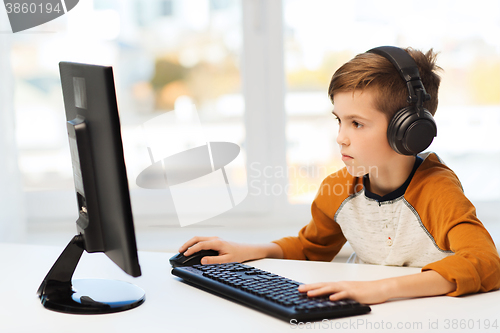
(411,129)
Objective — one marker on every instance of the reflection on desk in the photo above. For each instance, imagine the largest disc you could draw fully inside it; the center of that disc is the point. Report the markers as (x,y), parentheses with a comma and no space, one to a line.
(173,306)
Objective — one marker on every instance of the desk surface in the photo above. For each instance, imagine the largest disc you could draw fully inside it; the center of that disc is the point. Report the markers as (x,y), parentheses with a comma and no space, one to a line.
(173,306)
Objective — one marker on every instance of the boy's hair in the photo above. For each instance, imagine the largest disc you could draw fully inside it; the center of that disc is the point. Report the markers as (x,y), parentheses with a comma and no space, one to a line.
(374,72)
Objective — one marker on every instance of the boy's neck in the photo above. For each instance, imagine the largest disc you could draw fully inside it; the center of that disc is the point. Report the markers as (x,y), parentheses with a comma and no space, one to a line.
(391,176)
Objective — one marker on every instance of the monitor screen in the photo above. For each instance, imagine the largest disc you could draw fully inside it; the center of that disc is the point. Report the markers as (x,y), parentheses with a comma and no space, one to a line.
(105,221)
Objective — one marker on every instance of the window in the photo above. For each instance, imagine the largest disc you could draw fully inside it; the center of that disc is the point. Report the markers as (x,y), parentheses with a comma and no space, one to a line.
(164,53)
(234,60)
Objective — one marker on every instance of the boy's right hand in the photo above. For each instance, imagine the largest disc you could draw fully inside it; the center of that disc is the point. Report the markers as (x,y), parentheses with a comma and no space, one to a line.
(228,251)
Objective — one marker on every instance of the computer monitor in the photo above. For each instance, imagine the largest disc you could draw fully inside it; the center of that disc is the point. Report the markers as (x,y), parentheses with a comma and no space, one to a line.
(105,222)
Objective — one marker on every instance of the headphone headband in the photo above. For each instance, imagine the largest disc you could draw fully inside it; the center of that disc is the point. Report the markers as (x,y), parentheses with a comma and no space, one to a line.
(408,69)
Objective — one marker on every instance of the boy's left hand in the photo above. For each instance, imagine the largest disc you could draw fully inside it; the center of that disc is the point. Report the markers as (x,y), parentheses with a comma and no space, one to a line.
(366,292)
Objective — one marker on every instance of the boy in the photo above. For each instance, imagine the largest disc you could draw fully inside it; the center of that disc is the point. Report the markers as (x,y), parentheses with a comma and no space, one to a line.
(394,209)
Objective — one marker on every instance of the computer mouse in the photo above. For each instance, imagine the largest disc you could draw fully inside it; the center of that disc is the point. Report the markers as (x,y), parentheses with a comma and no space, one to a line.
(180,260)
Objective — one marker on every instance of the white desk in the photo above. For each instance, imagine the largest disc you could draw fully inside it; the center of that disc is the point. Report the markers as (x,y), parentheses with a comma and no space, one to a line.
(172,306)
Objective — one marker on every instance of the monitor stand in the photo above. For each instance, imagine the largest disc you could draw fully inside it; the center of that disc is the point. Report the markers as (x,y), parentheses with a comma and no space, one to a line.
(60,293)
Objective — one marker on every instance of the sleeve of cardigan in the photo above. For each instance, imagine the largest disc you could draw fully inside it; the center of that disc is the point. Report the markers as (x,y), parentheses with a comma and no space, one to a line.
(451,220)
(475,265)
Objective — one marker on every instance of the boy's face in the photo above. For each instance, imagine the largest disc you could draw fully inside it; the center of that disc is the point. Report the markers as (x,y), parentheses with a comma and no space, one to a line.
(362,133)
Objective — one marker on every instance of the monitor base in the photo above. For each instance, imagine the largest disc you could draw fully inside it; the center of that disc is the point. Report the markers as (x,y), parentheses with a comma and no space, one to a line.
(95,296)
(59,292)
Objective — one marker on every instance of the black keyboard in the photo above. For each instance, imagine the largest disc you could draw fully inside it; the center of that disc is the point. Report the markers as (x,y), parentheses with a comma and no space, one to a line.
(267,292)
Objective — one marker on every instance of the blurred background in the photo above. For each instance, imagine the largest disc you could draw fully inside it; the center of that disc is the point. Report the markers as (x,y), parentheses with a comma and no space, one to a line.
(257,72)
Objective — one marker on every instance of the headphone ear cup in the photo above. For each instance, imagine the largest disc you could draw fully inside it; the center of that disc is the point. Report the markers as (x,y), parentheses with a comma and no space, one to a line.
(409,134)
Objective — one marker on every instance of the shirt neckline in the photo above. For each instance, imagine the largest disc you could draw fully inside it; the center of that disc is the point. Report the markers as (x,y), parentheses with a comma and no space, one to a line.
(397,192)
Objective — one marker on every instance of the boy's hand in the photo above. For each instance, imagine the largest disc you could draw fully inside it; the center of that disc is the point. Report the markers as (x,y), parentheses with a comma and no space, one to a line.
(228,251)
(366,292)
(427,283)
